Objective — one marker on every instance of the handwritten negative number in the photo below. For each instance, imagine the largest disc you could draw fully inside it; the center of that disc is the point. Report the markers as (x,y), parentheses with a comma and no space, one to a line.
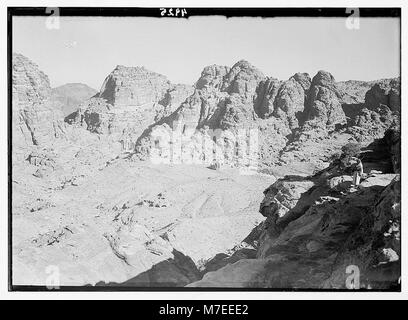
(173,12)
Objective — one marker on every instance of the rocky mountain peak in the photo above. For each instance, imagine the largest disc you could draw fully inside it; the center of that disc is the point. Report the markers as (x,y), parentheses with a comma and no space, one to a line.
(290,99)
(323,106)
(242,79)
(303,79)
(243,64)
(212,76)
(323,78)
(133,86)
(34,118)
(29,83)
(126,70)
(385,92)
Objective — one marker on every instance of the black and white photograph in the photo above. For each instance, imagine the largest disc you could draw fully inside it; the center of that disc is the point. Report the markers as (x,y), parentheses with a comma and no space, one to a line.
(204,149)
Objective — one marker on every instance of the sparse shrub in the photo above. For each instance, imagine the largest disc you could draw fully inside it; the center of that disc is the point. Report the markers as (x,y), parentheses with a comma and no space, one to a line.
(348,151)
(351,149)
(335,157)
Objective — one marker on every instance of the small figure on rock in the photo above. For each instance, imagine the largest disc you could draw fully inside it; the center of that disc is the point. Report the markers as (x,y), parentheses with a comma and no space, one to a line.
(358,171)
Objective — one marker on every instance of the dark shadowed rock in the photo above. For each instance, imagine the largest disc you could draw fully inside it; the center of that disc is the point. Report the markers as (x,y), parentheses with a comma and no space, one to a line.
(177,271)
(172,99)
(265,97)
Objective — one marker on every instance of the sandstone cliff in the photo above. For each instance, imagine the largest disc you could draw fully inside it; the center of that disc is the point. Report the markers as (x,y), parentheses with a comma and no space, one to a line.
(35,121)
(301,122)
(130,100)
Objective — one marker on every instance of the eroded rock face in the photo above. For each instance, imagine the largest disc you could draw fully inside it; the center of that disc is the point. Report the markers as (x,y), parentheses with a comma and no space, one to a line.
(370,124)
(172,99)
(283,196)
(314,143)
(354,91)
(317,249)
(301,122)
(93,115)
(223,99)
(385,92)
(266,94)
(133,86)
(131,99)
(35,121)
(212,77)
(283,100)
(243,79)
(374,246)
(323,105)
(290,100)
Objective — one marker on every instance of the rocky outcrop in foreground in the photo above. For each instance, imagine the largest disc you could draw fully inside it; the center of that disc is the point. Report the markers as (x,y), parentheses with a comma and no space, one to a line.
(318,232)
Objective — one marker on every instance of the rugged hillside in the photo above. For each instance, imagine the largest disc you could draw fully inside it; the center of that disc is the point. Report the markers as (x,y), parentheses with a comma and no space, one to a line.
(299,123)
(83,200)
(78,205)
(317,229)
(353,91)
(68,96)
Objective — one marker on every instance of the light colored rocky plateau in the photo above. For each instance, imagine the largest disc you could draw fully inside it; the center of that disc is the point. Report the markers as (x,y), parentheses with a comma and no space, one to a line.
(87,198)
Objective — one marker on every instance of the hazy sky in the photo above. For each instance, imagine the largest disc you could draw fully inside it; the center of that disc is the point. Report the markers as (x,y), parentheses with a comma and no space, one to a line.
(87,49)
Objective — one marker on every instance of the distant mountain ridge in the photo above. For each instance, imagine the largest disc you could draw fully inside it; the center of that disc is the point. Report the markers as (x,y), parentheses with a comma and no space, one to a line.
(302,119)
(68,96)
